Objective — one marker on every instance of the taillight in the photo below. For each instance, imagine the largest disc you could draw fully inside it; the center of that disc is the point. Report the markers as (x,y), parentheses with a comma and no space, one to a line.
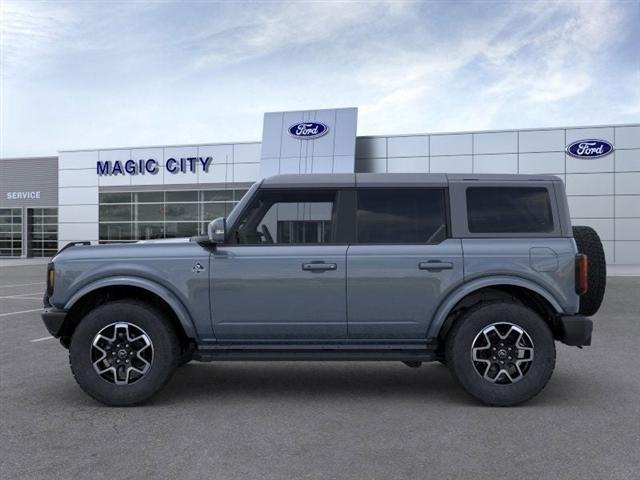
(582,274)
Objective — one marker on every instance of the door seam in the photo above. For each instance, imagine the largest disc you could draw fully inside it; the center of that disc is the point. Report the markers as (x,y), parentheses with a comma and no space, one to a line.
(346,289)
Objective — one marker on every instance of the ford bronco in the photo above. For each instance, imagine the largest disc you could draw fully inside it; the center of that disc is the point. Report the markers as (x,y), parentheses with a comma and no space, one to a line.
(480,272)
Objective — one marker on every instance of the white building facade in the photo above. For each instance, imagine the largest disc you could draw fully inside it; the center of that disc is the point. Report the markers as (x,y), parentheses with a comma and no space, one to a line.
(126,194)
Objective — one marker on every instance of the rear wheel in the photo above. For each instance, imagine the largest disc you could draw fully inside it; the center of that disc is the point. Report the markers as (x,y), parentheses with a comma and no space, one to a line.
(588,243)
(503,354)
(123,352)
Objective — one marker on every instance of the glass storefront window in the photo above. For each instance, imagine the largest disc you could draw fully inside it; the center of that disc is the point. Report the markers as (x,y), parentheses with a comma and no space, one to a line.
(149,197)
(189,196)
(115,197)
(150,213)
(131,216)
(181,229)
(116,231)
(115,213)
(10,232)
(42,229)
(182,212)
(217,195)
(149,231)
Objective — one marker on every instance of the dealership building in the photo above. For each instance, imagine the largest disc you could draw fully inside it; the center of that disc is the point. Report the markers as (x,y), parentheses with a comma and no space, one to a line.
(126,194)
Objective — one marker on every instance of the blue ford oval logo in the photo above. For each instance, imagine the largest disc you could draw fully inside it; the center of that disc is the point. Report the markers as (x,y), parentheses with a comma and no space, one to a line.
(590,148)
(308,130)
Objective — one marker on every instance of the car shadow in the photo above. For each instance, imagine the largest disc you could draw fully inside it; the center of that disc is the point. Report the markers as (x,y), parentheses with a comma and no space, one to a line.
(312,380)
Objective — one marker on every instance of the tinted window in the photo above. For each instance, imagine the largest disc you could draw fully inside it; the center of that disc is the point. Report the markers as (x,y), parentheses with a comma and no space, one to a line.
(509,210)
(401,216)
(288,218)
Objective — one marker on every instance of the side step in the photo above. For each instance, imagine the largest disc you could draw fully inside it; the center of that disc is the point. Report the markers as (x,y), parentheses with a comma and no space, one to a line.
(232,354)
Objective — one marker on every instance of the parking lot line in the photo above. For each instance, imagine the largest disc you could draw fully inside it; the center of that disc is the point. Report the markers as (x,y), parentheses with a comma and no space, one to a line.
(23,311)
(22,285)
(41,339)
(23,295)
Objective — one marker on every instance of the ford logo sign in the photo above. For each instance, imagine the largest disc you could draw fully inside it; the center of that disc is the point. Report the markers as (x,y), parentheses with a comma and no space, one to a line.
(308,130)
(590,148)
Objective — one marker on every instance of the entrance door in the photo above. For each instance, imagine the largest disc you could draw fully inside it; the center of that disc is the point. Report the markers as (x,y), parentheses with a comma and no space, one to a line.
(10,232)
(42,232)
(283,274)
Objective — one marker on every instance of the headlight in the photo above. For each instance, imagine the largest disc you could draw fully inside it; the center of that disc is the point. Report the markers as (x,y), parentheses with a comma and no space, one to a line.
(51,278)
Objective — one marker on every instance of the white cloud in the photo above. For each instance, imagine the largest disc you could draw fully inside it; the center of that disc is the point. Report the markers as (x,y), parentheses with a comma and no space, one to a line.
(298,27)
(29,30)
(79,74)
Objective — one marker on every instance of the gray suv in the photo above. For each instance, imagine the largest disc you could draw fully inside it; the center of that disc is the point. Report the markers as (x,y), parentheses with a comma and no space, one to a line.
(480,272)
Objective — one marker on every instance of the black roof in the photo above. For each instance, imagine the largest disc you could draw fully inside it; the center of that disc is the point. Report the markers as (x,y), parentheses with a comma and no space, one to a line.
(336,180)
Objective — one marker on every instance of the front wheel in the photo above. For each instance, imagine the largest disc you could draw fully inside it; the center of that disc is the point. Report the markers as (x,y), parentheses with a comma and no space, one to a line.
(123,352)
(503,354)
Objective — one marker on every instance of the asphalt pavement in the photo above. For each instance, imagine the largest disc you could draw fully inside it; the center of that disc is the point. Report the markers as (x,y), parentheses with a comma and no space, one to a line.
(313,420)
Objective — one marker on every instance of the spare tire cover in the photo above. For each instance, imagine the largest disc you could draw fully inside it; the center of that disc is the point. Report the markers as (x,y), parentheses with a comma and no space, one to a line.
(588,242)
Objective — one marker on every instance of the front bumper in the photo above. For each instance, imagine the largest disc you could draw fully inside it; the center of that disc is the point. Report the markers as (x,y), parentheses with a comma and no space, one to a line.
(53,319)
(574,330)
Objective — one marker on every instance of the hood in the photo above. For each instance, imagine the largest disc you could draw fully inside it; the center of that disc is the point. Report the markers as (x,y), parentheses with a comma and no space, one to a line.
(139,249)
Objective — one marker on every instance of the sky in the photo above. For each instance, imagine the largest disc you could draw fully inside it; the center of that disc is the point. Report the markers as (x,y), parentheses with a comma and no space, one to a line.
(96,74)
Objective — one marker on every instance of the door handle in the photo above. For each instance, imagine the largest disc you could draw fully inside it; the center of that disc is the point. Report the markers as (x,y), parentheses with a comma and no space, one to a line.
(319,266)
(435,266)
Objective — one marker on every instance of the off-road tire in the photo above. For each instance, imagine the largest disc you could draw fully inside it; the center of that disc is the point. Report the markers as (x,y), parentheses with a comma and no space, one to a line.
(588,242)
(458,353)
(166,352)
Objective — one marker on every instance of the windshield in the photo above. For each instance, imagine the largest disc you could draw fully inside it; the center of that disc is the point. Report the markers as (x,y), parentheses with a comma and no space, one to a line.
(233,215)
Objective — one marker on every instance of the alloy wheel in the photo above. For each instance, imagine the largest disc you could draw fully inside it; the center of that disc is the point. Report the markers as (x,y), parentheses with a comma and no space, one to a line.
(121,353)
(502,353)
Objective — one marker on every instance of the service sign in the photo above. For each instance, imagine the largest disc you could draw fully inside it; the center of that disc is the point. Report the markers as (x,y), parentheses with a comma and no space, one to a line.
(23,195)
(308,130)
(589,149)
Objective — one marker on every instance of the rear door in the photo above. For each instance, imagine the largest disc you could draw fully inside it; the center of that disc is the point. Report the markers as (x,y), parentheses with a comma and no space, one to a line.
(401,263)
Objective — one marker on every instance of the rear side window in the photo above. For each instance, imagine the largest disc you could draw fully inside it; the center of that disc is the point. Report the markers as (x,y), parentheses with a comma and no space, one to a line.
(509,210)
(401,216)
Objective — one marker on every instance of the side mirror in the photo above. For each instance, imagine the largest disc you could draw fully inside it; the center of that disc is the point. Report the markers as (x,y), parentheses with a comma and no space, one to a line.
(217,230)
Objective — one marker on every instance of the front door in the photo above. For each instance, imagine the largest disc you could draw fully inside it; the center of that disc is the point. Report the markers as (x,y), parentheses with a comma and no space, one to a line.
(283,273)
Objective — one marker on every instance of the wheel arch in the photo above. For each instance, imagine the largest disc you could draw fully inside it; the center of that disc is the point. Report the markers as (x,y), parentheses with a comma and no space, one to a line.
(118,288)
(526,291)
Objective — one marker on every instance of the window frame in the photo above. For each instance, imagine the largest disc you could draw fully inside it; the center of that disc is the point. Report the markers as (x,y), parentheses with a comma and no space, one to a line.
(447,214)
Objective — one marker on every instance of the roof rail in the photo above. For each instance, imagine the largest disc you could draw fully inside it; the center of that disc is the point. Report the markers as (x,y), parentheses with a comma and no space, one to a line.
(73,244)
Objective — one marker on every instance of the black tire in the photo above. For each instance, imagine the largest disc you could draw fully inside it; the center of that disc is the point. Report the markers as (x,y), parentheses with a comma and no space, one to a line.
(458,353)
(588,242)
(165,352)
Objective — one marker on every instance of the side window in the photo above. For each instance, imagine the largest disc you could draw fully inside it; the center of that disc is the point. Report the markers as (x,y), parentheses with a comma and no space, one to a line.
(509,210)
(290,217)
(401,216)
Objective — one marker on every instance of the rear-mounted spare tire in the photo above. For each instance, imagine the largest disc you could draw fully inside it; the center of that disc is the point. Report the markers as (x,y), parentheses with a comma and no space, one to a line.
(589,244)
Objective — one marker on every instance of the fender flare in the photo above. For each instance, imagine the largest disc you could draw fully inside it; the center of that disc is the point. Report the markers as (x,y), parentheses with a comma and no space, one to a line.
(176,305)
(462,291)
